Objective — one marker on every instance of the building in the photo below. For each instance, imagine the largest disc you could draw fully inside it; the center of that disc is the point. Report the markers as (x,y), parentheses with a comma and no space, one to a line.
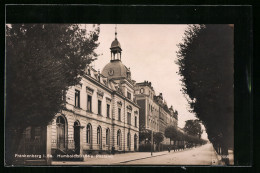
(100,112)
(154,112)
(106,109)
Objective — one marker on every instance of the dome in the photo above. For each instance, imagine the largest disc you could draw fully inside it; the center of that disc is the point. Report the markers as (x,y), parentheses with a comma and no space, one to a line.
(115,44)
(115,69)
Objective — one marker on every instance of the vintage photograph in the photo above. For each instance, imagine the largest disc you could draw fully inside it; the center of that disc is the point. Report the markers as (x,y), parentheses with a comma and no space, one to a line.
(119,94)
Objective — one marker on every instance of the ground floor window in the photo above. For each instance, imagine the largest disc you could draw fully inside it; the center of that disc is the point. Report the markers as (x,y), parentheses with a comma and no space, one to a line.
(89,134)
(99,136)
(129,140)
(107,137)
(119,138)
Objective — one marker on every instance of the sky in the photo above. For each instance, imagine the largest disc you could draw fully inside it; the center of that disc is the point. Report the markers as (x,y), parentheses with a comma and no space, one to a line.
(150,52)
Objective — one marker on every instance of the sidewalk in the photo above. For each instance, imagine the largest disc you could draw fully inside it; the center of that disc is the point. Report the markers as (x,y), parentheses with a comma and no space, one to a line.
(113,159)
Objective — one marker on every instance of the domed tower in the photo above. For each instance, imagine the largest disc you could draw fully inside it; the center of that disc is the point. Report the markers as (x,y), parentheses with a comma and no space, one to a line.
(115,49)
(115,69)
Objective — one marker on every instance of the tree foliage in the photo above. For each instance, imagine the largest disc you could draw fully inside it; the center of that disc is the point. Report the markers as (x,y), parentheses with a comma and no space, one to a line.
(42,62)
(158,137)
(193,127)
(171,132)
(145,135)
(205,60)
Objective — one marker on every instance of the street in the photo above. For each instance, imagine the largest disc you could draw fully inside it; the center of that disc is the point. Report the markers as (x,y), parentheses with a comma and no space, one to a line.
(203,155)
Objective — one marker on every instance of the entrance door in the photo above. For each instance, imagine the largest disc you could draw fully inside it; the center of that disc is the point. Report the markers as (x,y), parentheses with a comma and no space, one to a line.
(77,137)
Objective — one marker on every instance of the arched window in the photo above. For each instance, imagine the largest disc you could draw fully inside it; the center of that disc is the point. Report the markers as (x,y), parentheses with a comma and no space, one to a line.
(99,136)
(129,140)
(135,142)
(107,136)
(89,134)
(119,138)
(61,135)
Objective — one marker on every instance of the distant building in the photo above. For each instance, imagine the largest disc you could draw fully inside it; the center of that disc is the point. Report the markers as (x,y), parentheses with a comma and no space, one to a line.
(154,112)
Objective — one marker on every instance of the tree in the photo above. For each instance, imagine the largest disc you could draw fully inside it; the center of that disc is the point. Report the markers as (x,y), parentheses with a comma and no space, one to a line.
(158,138)
(145,134)
(171,132)
(42,62)
(205,60)
(193,127)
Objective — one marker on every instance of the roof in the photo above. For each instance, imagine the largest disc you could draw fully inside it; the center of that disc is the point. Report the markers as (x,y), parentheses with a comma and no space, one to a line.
(115,69)
(115,44)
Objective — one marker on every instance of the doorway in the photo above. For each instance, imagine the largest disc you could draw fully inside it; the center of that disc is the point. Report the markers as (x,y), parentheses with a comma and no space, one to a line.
(77,137)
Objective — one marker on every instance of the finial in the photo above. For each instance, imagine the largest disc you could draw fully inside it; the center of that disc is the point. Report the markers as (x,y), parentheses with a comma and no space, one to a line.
(116,31)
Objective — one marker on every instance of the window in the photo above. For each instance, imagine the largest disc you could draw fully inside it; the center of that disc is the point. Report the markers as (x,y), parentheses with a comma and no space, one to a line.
(77,98)
(128,118)
(99,107)
(107,137)
(60,128)
(135,121)
(128,95)
(89,103)
(119,138)
(99,135)
(108,110)
(129,140)
(119,114)
(89,133)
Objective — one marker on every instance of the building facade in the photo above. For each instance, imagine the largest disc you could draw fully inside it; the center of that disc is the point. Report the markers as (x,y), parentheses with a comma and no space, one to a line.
(100,113)
(154,114)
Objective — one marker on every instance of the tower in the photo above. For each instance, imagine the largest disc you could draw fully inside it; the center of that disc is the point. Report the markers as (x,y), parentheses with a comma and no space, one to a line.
(115,48)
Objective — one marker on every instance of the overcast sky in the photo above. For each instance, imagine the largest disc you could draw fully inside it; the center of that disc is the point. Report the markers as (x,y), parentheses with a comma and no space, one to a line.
(150,52)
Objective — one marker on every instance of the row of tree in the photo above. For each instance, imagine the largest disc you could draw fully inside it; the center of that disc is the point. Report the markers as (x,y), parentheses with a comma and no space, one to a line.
(191,135)
(206,60)
(176,135)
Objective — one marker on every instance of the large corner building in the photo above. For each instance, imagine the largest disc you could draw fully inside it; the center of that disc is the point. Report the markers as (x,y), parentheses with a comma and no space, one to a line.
(105,110)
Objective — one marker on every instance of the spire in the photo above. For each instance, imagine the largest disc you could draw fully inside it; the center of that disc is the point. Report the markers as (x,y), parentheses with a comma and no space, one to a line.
(116,31)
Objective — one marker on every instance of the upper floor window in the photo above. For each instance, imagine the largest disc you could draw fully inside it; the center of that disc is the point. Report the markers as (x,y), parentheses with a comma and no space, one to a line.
(119,114)
(77,98)
(128,118)
(128,95)
(135,121)
(89,103)
(99,107)
(108,110)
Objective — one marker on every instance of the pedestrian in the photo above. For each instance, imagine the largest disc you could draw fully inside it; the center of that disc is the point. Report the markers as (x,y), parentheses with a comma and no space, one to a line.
(169,150)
